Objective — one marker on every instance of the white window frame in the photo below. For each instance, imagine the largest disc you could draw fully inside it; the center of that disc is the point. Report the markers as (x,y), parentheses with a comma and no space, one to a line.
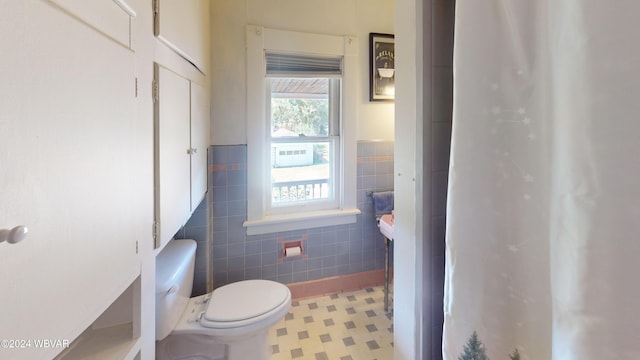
(259,219)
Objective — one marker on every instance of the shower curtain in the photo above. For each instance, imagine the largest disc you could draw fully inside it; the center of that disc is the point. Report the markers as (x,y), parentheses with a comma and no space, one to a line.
(543,218)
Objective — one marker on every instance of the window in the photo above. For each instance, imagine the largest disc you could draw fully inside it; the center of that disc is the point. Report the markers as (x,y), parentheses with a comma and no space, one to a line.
(300,130)
(304,122)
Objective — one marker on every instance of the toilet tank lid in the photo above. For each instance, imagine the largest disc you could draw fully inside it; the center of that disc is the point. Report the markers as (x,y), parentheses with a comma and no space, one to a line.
(172,261)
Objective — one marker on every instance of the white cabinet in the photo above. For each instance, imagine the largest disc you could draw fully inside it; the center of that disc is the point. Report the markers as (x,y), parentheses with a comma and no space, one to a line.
(183,25)
(200,123)
(113,18)
(70,170)
(181,139)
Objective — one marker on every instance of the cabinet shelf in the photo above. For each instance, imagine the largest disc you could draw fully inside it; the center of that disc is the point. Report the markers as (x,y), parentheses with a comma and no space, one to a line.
(114,342)
(113,335)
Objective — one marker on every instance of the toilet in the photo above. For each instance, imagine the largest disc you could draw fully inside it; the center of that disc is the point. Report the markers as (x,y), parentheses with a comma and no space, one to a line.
(230,323)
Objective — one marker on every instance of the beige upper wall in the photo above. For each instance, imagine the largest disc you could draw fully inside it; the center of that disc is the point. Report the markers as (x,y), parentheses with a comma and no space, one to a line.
(335,17)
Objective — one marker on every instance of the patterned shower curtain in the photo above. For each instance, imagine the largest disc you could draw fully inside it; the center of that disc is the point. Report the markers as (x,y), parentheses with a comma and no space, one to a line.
(543,219)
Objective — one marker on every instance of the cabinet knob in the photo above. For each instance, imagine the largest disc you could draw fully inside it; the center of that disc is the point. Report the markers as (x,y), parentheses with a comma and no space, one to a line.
(14,235)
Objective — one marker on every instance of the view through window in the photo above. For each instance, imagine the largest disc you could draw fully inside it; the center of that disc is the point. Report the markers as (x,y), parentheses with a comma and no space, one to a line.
(304,139)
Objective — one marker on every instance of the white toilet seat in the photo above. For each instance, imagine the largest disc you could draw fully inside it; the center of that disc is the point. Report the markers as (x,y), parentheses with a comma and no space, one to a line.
(245,302)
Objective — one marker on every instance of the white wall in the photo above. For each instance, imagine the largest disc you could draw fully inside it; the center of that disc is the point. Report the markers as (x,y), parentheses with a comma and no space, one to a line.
(335,17)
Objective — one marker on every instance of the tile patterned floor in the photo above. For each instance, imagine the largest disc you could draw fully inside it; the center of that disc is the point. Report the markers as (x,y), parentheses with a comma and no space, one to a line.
(345,326)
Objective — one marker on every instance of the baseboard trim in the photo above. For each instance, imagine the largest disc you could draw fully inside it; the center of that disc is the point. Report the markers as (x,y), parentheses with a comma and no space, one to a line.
(336,284)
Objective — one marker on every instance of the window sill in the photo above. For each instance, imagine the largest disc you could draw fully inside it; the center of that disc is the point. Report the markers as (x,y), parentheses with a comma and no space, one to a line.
(299,221)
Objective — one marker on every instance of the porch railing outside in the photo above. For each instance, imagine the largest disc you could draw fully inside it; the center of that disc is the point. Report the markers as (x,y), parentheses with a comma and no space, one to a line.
(300,190)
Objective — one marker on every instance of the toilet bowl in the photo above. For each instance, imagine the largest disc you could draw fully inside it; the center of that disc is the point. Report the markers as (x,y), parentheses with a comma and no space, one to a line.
(231,323)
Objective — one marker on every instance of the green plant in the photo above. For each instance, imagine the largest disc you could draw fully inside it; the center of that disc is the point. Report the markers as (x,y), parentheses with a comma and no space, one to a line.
(301,116)
(474,349)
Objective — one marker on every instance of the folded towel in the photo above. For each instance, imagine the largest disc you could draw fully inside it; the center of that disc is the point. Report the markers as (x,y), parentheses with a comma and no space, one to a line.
(382,202)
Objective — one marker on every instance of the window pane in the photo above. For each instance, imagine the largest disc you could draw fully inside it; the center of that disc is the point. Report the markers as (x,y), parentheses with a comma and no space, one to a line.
(302,147)
(300,171)
(299,107)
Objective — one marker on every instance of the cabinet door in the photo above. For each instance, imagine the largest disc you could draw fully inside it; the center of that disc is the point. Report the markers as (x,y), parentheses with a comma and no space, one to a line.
(199,143)
(69,172)
(172,144)
(109,17)
(183,25)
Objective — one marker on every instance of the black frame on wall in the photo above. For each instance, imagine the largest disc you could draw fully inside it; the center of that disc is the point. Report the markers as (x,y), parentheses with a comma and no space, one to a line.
(381,67)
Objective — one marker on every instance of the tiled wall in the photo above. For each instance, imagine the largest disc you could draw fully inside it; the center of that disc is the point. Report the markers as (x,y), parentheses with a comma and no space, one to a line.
(328,251)
(196,229)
